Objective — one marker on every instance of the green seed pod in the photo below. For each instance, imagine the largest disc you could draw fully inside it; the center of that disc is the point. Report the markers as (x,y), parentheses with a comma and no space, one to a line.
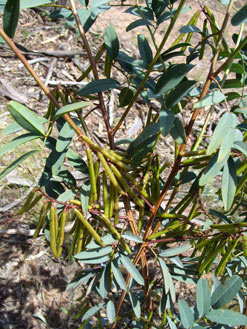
(61,232)
(244,245)
(45,208)
(53,246)
(27,202)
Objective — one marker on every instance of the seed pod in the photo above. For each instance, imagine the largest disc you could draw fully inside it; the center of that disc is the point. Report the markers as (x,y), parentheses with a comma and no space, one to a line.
(79,239)
(27,202)
(43,213)
(244,245)
(105,195)
(222,265)
(75,236)
(93,191)
(116,207)
(61,233)
(53,246)
(89,227)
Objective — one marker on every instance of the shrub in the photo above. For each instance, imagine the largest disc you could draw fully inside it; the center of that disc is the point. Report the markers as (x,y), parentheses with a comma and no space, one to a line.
(131,228)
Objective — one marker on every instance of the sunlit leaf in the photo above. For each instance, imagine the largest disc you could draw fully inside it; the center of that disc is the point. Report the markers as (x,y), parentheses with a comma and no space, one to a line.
(186,315)
(227,317)
(137,23)
(98,86)
(127,263)
(175,251)
(203,298)
(25,118)
(92,310)
(232,136)
(118,275)
(65,137)
(189,29)
(111,42)
(110,311)
(70,108)
(229,183)
(105,282)
(17,141)
(16,163)
(135,303)
(171,78)
(85,193)
(213,98)
(225,292)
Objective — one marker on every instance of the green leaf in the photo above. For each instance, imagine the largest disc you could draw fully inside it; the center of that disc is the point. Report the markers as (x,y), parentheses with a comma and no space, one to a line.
(10,17)
(171,78)
(77,162)
(212,169)
(166,275)
(14,127)
(65,137)
(98,86)
(16,163)
(180,92)
(25,118)
(241,146)
(203,298)
(186,315)
(166,121)
(141,11)
(232,136)
(240,17)
(118,275)
(227,317)
(110,311)
(111,42)
(30,3)
(225,292)
(85,194)
(94,253)
(233,83)
(213,98)
(135,303)
(17,141)
(229,183)
(92,310)
(175,251)
(132,237)
(142,150)
(131,269)
(125,96)
(70,108)
(149,131)
(105,282)
(227,121)
(189,29)
(144,49)
(137,23)
(177,131)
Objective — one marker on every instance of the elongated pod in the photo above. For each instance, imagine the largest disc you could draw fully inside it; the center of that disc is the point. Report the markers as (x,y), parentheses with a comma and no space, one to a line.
(61,232)
(45,208)
(27,202)
(52,231)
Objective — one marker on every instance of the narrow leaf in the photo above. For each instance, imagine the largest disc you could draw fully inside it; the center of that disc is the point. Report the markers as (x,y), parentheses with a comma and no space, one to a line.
(137,23)
(182,90)
(227,121)
(93,310)
(166,274)
(227,317)
(135,303)
(177,131)
(189,29)
(125,260)
(25,118)
(98,86)
(70,108)
(203,298)
(240,17)
(17,141)
(144,49)
(225,292)
(186,315)
(242,147)
(166,121)
(110,311)
(213,168)
(105,282)
(229,183)
(10,17)
(132,237)
(171,78)
(118,275)
(85,193)
(213,98)
(175,251)
(65,137)
(16,163)
(111,42)
(94,253)
(232,136)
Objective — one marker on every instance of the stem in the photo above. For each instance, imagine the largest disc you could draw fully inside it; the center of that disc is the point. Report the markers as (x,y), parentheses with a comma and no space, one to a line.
(156,57)
(95,73)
